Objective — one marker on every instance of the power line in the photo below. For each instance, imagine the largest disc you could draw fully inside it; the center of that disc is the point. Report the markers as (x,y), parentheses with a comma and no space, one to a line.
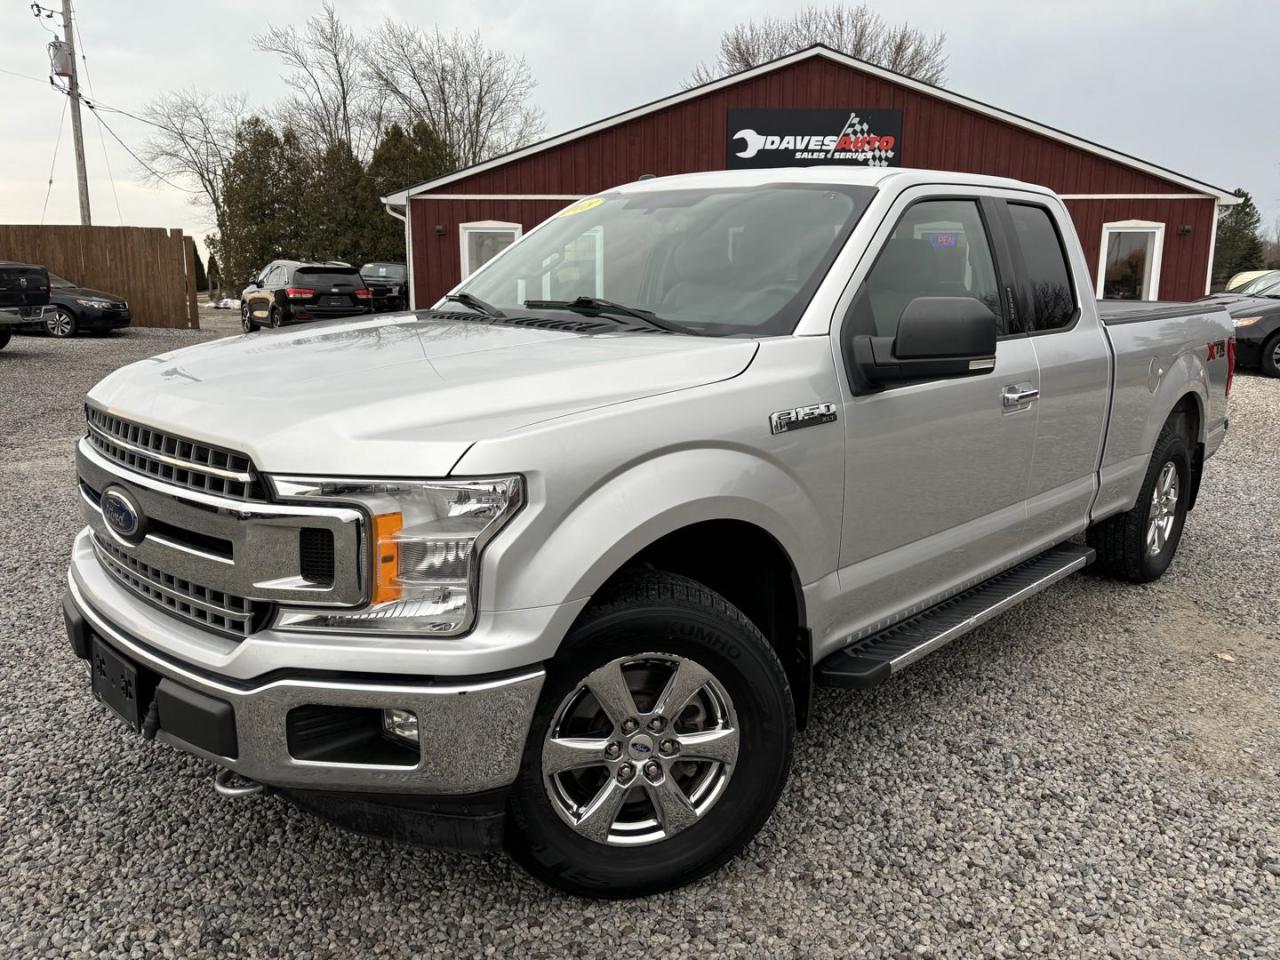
(56,143)
(26,76)
(142,163)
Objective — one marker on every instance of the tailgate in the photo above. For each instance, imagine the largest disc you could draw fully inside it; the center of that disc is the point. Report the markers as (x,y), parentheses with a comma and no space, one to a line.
(23,285)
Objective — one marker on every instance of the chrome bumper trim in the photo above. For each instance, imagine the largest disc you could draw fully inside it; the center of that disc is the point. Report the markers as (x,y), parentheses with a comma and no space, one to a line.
(473,732)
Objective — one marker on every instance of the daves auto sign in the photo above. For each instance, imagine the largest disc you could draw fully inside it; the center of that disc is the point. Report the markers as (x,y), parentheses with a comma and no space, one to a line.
(805,138)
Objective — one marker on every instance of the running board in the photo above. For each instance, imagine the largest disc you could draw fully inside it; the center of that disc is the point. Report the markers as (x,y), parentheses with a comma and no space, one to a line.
(874,659)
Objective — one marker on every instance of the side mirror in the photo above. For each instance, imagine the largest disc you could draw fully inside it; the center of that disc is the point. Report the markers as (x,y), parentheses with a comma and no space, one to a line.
(937,337)
(256,282)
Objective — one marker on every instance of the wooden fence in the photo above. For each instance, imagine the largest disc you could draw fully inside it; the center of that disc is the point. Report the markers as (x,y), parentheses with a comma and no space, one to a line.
(151,267)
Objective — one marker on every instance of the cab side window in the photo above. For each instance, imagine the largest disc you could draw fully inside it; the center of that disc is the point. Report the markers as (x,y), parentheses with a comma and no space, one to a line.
(1047,277)
(938,249)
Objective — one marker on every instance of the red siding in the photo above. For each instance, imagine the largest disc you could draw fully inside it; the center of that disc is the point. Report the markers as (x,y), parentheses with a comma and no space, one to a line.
(437,257)
(1185,260)
(692,136)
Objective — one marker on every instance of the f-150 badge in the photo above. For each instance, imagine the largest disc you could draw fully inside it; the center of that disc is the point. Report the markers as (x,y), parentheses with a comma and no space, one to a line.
(797,417)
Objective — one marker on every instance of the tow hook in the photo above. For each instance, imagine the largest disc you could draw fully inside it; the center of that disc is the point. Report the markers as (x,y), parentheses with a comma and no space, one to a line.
(228,783)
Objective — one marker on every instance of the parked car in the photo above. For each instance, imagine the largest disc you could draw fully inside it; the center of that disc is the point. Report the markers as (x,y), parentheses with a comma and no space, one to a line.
(24,295)
(1240,280)
(561,573)
(1257,323)
(76,309)
(1265,279)
(389,283)
(291,291)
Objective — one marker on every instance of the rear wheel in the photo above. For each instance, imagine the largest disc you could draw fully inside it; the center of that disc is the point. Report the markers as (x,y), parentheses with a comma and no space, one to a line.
(1270,361)
(274,317)
(60,323)
(1139,545)
(659,747)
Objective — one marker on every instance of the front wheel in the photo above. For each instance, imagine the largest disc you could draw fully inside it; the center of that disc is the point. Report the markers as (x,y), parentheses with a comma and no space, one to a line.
(61,323)
(1139,545)
(660,745)
(1270,359)
(4,338)
(247,323)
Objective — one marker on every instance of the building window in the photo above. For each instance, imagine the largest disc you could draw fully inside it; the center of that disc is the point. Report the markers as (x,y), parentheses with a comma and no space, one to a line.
(484,240)
(1129,268)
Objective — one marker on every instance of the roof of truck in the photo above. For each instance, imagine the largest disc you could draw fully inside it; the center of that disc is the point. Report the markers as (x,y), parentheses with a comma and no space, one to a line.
(900,177)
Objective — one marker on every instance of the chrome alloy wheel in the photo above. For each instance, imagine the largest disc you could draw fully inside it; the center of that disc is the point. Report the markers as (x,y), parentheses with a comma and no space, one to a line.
(640,750)
(60,323)
(1275,353)
(1164,509)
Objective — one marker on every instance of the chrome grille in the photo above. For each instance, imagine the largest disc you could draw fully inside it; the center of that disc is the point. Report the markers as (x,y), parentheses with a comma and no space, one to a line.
(187,463)
(200,605)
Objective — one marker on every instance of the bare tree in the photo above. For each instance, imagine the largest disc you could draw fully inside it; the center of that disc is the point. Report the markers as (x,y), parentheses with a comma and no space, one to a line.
(194,139)
(334,100)
(856,30)
(474,97)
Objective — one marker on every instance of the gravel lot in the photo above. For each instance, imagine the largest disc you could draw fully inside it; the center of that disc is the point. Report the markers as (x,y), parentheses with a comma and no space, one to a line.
(1095,774)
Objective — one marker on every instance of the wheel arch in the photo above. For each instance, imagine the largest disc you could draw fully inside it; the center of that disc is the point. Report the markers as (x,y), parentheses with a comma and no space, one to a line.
(1188,418)
(749,567)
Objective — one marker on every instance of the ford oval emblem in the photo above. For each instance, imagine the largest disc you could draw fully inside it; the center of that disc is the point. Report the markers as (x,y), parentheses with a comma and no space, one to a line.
(122,514)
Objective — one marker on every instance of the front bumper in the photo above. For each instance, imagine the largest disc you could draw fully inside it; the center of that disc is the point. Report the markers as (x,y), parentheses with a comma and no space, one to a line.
(472,730)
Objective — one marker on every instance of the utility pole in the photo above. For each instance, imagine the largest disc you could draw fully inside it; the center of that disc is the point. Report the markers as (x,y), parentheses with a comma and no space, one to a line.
(74,93)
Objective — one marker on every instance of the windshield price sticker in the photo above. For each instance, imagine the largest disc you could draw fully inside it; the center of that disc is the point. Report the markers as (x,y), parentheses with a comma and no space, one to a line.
(582,206)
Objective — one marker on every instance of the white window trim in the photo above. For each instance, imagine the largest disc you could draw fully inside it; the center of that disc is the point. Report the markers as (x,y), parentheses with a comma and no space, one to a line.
(1152,227)
(481,226)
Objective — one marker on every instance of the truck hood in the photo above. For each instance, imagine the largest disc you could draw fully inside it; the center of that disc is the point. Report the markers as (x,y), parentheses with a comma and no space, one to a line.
(413,392)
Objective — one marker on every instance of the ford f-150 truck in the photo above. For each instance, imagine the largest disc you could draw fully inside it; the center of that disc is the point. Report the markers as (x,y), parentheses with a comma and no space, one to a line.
(556,563)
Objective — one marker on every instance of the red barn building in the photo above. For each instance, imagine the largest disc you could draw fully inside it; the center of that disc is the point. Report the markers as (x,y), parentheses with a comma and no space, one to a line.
(1148,233)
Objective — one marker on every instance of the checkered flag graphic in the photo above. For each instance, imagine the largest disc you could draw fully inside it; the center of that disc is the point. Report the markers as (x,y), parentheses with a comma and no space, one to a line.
(855,126)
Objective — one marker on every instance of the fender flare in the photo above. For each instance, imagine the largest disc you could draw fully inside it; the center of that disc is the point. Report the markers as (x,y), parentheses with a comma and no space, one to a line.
(559,553)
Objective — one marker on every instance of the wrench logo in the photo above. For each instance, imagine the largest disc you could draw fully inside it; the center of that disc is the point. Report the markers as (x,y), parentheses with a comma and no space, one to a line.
(753,140)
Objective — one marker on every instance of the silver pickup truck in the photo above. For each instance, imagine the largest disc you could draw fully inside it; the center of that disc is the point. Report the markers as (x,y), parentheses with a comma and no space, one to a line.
(556,563)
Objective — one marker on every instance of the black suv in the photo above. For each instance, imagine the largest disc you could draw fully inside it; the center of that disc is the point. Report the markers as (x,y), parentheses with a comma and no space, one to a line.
(288,291)
(389,283)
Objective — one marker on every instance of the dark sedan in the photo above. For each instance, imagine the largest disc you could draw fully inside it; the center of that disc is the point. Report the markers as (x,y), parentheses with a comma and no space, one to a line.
(75,309)
(1257,320)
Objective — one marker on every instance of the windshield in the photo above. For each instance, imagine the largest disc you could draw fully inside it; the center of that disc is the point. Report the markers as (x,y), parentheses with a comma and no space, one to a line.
(724,262)
(1257,284)
(327,276)
(1269,289)
(56,281)
(384,271)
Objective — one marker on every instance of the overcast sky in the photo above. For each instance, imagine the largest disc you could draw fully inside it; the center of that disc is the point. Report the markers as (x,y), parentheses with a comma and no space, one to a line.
(1181,83)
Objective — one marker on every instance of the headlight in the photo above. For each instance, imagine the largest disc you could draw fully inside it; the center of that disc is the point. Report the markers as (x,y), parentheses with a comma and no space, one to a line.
(425,538)
(95,304)
(1246,321)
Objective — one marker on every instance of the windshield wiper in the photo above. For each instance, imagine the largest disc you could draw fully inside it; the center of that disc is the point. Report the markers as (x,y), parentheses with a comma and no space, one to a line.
(475,303)
(598,307)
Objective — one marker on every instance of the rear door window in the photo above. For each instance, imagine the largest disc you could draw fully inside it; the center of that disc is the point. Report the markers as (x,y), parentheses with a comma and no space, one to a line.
(1049,292)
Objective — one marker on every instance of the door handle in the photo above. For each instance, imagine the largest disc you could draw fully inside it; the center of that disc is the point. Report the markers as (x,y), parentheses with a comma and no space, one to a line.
(1017,394)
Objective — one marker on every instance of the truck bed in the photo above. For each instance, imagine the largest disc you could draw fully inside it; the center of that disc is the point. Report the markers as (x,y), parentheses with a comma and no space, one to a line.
(1115,312)
(1157,349)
